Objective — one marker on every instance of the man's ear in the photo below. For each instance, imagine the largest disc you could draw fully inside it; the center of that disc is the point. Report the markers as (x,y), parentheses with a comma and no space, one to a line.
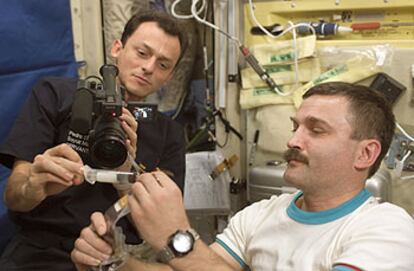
(116,48)
(367,154)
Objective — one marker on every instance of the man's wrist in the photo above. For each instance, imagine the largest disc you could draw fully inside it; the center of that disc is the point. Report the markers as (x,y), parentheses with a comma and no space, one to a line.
(33,194)
(179,244)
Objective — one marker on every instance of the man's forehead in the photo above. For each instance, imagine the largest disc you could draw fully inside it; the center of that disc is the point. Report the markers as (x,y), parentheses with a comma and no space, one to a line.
(324,108)
(167,48)
(150,27)
(324,102)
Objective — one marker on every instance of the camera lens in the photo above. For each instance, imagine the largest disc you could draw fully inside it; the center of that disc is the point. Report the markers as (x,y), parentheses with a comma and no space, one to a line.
(107,145)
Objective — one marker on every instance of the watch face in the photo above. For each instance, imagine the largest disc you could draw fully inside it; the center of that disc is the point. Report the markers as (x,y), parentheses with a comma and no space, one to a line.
(183,242)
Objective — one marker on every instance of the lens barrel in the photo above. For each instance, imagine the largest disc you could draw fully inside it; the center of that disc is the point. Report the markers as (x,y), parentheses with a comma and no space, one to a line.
(107,143)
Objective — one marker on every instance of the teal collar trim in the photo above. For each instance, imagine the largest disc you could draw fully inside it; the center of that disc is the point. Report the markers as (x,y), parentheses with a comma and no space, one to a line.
(316,218)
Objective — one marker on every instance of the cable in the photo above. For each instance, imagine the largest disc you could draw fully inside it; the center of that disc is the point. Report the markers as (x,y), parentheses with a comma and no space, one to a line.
(409,152)
(407,177)
(221,145)
(183,16)
(226,129)
(194,13)
(403,131)
(250,58)
(253,62)
(406,157)
(284,32)
(402,162)
(291,28)
(173,6)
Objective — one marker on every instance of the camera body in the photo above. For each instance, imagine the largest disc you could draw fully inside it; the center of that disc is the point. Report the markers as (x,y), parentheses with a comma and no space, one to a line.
(95,130)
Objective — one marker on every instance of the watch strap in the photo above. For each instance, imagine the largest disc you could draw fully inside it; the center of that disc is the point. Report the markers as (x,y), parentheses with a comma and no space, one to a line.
(194,233)
(166,254)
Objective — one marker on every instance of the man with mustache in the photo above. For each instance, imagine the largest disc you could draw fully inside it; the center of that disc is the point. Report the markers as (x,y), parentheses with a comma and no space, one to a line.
(46,193)
(341,132)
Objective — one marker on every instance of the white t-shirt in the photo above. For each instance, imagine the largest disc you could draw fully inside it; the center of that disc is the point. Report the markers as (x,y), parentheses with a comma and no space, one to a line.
(275,234)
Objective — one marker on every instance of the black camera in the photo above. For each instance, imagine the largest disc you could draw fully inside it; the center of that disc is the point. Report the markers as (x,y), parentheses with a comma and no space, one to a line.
(95,129)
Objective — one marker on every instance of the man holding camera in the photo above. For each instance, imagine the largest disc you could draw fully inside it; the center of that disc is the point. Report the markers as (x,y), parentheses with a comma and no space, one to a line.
(46,194)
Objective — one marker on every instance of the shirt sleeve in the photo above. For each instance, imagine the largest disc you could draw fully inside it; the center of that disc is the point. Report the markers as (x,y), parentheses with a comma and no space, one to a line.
(36,127)
(235,238)
(382,239)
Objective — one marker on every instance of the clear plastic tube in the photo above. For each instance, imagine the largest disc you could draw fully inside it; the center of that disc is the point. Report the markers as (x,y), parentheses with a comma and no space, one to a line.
(108,176)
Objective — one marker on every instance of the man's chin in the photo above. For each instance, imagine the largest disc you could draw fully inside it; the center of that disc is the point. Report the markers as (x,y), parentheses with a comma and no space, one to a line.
(135,94)
(291,174)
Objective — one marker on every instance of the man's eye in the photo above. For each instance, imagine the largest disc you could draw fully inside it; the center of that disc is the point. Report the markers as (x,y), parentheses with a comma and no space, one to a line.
(317,130)
(164,66)
(142,53)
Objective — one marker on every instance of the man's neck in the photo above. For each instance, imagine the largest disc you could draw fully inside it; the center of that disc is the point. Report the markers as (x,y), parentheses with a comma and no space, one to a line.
(318,203)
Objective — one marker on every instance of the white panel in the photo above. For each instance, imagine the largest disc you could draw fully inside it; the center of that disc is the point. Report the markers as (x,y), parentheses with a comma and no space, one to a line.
(87,34)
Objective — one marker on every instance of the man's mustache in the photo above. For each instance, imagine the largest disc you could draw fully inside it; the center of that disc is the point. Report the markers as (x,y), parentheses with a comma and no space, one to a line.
(294,154)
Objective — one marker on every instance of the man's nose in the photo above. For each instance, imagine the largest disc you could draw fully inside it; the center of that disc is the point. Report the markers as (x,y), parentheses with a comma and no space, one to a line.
(296,140)
(149,65)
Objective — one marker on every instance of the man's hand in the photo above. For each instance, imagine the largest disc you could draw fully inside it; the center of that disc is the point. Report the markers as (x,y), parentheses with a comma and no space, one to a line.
(157,208)
(53,171)
(90,249)
(50,173)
